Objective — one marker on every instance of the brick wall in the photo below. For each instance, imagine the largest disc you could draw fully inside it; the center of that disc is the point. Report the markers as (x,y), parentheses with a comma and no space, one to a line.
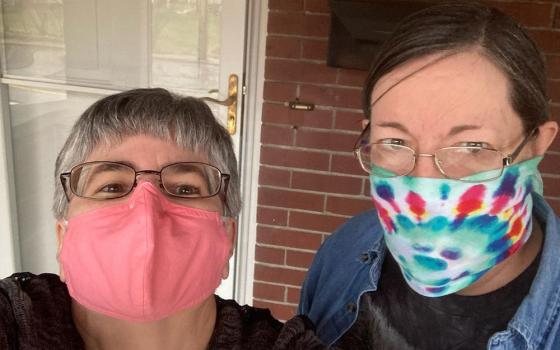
(309,181)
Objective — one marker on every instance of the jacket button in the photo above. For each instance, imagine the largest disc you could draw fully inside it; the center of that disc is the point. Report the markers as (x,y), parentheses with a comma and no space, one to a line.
(351,307)
(364,257)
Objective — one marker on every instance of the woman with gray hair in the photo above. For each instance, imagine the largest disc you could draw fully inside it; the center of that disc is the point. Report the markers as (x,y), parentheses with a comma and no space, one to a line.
(145,204)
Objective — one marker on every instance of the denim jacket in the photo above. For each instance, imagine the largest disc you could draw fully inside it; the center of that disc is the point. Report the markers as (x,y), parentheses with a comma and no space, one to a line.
(349,264)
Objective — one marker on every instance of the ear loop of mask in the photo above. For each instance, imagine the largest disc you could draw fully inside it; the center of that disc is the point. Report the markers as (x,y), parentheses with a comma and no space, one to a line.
(65,225)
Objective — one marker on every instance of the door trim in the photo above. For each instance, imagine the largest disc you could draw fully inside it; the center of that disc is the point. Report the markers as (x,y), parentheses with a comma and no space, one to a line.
(10,259)
(249,157)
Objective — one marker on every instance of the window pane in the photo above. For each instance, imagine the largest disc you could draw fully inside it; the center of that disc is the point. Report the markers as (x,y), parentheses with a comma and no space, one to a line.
(186,44)
(115,44)
(40,122)
(34,39)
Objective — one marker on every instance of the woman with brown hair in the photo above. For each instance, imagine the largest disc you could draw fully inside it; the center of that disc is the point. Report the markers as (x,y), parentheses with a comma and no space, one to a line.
(461,251)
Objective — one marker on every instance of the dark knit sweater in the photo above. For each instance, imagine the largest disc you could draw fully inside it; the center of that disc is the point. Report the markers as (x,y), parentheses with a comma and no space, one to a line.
(35,313)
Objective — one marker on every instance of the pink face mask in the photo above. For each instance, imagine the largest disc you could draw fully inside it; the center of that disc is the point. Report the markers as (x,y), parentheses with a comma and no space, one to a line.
(145,259)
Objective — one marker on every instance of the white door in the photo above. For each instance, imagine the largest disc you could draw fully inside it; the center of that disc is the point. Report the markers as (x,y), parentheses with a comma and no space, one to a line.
(58,57)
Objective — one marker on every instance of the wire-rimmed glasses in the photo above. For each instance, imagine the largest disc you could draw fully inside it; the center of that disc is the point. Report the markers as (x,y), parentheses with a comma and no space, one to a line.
(101,180)
(470,163)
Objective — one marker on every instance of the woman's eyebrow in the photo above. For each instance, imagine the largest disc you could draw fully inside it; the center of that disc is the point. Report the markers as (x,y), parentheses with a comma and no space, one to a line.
(454,130)
(393,125)
(461,128)
(125,162)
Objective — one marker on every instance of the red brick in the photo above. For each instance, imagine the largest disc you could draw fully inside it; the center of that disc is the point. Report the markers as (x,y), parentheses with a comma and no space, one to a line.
(325,140)
(279,275)
(348,206)
(277,135)
(555,112)
(274,177)
(268,291)
(332,96)
(289,70)
(316,25)
(293,295)
(286,5)
(281,114)
(547,41)
(528,14)
(555,144)
(555,204)
(321,6)
(318,222)
(288,238)
(347,165)
(299,259)
(279,23)
(553,65)
(274,91)
(549,165)
(314,49)
(551,187)
(299,24)
(291,199)
(327,183)
(279,311)
(367,190)
(349,121)
(556,21)
(294,158)
(270,255)
(554,89)
(281,46)
(351,77)
(272,216)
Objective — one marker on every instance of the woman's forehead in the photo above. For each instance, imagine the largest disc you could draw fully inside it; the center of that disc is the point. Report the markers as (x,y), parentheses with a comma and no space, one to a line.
(437,93)
(145,150)
(456,65)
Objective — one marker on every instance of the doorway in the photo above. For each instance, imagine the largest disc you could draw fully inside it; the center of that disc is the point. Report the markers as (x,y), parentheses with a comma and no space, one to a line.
(58,57)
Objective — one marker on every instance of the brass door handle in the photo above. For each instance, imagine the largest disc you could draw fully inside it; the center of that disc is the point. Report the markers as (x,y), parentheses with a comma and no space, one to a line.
(230,102)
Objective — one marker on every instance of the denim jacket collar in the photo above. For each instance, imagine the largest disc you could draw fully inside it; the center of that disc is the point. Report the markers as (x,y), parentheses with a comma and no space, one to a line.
(541,307)
(377,254)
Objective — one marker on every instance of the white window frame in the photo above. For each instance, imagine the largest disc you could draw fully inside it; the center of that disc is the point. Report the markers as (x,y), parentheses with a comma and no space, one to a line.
(250,147)
(10,260)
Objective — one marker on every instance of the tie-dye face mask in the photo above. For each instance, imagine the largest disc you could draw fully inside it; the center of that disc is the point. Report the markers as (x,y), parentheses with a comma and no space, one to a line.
(445,234)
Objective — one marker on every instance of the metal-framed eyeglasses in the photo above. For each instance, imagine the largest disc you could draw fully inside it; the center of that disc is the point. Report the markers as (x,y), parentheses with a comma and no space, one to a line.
(470,163)
(102,180)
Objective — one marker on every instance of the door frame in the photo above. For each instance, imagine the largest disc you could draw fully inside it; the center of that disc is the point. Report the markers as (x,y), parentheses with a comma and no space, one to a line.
(10,260)
(249,157)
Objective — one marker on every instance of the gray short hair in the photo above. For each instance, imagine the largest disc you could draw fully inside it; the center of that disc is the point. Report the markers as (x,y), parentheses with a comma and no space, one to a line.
(186,120)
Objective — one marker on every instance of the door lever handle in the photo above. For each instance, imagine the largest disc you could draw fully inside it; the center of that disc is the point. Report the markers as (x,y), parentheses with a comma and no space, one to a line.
(227,102)
(230,102)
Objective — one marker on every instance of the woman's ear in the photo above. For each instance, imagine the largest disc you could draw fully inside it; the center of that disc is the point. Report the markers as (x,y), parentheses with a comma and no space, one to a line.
(231,230)
(547,132)
(60,228)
